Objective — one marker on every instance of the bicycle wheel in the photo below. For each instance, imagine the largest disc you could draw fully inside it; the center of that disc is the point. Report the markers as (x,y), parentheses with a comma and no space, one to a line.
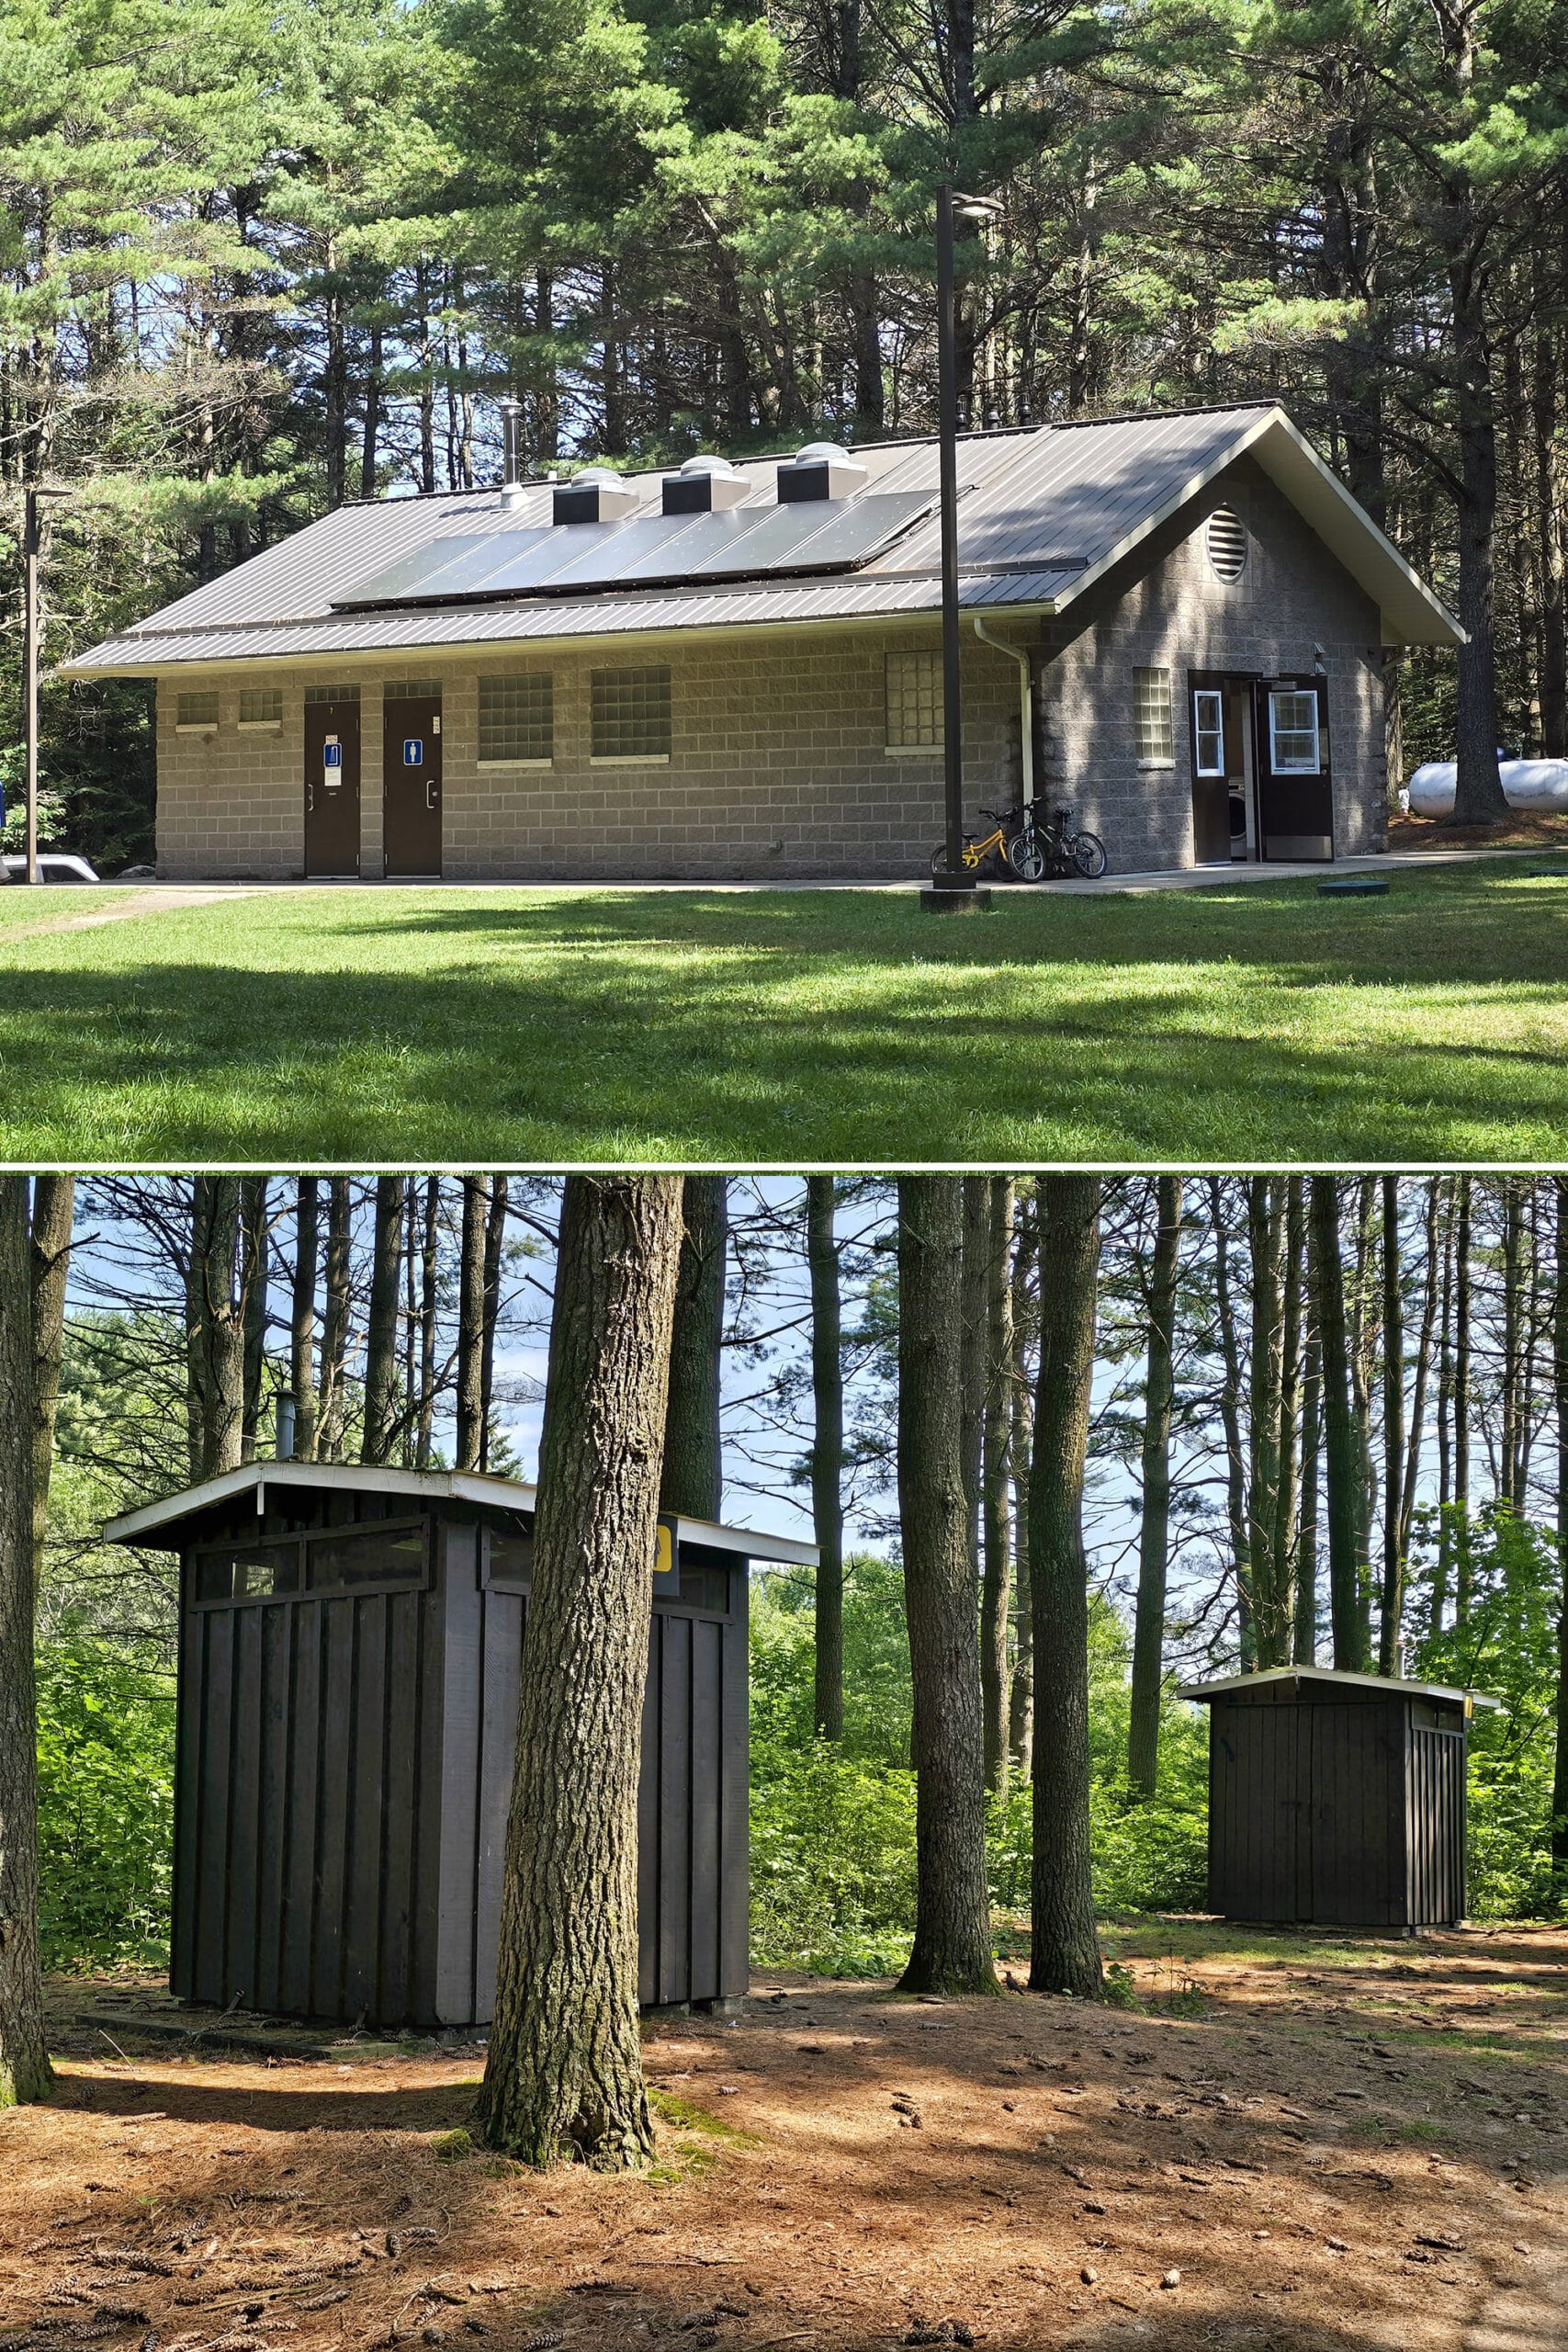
(1026,856)
(1088,856)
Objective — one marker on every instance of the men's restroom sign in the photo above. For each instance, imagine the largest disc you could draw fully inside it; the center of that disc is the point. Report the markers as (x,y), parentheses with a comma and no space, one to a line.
(332,760)
(414,753)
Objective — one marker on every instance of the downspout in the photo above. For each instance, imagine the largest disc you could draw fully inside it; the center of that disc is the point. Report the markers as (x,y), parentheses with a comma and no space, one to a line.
(1025,702)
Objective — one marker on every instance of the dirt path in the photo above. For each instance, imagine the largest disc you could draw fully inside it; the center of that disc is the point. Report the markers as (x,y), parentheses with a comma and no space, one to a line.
(137,903)
(1288,2148)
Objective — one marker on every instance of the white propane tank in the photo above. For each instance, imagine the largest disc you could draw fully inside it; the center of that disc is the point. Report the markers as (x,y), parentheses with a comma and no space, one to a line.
(1527,784)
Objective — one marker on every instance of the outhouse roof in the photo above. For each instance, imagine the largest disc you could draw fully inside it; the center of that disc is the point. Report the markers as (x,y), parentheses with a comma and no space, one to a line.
(161,1525)
(1230,1683)
(1044,512)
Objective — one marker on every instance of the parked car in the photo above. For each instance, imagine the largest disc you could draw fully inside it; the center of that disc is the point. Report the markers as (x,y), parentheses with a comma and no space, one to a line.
(53,865)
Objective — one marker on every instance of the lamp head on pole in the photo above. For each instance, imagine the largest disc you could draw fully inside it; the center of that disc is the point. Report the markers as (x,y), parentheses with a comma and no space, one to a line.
(975,207)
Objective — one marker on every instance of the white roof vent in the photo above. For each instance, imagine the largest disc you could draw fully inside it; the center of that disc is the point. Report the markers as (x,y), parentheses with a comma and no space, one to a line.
(821,470)
(1224,541)
(596,494)
(705,485)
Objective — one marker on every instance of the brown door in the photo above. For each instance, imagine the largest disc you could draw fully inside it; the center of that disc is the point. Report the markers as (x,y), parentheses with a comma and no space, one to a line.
(331,787)
(1211,794)
(1295,790)
(410,769)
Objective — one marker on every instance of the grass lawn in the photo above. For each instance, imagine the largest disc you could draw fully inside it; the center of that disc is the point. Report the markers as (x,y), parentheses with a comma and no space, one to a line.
(1253,1022)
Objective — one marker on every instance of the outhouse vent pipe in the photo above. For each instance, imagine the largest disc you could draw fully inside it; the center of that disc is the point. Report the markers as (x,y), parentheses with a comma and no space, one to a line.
(512,492)
(287,1409)
(1025,704)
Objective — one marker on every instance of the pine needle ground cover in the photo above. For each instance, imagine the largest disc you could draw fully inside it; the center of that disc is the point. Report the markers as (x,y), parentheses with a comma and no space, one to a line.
(1253,1022)
(1322,2145)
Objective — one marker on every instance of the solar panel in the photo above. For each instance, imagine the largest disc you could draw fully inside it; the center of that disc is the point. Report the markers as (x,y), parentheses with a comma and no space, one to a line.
(648,550)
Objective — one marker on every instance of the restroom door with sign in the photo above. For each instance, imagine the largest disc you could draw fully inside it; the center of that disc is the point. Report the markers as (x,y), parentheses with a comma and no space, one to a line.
(331,787)
(410,767)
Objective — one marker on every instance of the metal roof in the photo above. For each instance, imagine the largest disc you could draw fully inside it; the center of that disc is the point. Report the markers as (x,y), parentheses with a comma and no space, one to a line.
(1043,514)
(157,1524)
(1232,1682)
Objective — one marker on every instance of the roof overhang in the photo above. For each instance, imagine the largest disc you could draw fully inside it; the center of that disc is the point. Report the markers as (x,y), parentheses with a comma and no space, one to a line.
(156,1525)
(1228,1685)
(1411,614)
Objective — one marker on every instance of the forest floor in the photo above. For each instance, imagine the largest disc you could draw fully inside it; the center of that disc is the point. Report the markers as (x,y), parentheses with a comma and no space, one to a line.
(1235,1023)
(1542,828)
(1288,2145)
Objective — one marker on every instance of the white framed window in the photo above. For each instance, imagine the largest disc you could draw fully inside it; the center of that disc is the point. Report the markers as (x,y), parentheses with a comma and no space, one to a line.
(915,706)
(1151,718)
(1208,732)
(1293,745)
(197,714)
(261,709)
(630,715)
(517,720)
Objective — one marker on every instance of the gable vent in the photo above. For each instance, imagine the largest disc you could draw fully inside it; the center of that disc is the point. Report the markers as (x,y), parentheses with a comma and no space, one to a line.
(1226,541)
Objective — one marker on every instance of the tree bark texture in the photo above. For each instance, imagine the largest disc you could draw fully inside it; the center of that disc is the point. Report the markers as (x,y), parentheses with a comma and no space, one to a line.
(302,1318)
(1341,1467)
(332,1412)
(255,1220)
(564,2072)
(1560,1382)
(1019,1451)
(215,1342)
(495,1258)
(381,1401)
(25,2074)
(692,1482)
(826,1456)
(471,1322)
(1065,1951)
(1391,1615)
(1154,1526)
(54,1200)
(996,1528)
(953,1925)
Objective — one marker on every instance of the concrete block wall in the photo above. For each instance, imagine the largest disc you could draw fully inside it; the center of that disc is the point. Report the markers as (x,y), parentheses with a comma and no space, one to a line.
(778,767)
(1291,595)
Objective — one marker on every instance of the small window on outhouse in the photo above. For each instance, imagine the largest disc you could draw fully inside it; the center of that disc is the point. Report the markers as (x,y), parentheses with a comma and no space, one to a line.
(1151,718)
(348,1559)
(248,1572)
(261,707)
(630,717)
(914,702)
(1225,540)
(517,720)
(197,714)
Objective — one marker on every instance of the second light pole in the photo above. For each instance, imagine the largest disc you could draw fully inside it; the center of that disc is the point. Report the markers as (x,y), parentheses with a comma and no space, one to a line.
(953,885)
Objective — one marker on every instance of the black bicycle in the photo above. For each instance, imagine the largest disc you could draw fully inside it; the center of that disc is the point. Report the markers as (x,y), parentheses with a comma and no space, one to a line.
(1035,849)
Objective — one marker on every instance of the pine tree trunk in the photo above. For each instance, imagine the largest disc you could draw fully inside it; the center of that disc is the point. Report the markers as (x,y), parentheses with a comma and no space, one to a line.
(254,1214)
(332,1413)
(693,1481)
(564,2072)
(1304,1647)
(471,1323)
(54,1200)
(1560,1373)
(25,2073)
(952,1928)
(996,1526)
(495,1253)
(1153,1525)
(1019,1450)
(382,1411)
(302,1319)
(1065,1950)
(1341,1464)
(429,1295)
(972,1356)
(1392,1617)
(1230,1420)
(1265,1238)
(826,1456)
(1461,1408)
(215,1342)
(1286,1550)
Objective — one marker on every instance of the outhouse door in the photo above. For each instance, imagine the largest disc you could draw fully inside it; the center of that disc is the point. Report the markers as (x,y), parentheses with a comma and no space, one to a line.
(1295,790)
(411,768)
(331,787)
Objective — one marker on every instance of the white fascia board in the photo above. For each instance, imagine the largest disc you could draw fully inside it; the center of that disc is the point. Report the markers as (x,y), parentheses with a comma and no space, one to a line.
(1228,1683)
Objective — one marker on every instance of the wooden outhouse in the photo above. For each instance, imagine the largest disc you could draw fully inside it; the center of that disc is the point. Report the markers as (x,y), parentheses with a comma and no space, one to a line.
(1337,1800)
(351,1642)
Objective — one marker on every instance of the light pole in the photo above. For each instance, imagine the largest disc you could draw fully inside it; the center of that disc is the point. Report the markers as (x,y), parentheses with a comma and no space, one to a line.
(30,634)
(951,887)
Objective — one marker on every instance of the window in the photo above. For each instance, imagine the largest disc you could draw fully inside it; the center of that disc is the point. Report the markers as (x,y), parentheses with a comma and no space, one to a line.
(412,690)
(509,1559)
(1208,732)
(517,720)
(914,702)
(1151,718)
(630,715)
(261,707)
(1293,746)
(248,1572)
(1226,541)
(332,694)
(197,712)
(350,1559)
(705,1590)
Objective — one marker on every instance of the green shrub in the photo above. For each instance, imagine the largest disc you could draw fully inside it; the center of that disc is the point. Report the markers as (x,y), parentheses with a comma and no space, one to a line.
(105,1804)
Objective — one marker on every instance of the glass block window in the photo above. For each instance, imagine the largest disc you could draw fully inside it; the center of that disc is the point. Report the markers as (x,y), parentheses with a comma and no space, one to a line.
(1293,746)
(517,720)
(1151,716)
(412,690)
(261,706)
(332,694)
(1208,732)
(631,714)
(914,702)
(198,709)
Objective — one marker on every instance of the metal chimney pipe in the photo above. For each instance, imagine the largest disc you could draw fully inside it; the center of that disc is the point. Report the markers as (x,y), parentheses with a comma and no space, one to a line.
(511,440)
(287,1408)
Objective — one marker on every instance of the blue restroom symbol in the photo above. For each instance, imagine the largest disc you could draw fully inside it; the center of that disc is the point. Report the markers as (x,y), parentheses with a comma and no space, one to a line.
(414,753)
(332,754)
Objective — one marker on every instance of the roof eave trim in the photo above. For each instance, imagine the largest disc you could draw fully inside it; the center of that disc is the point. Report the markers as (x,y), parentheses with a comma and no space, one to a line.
(1228,1684)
